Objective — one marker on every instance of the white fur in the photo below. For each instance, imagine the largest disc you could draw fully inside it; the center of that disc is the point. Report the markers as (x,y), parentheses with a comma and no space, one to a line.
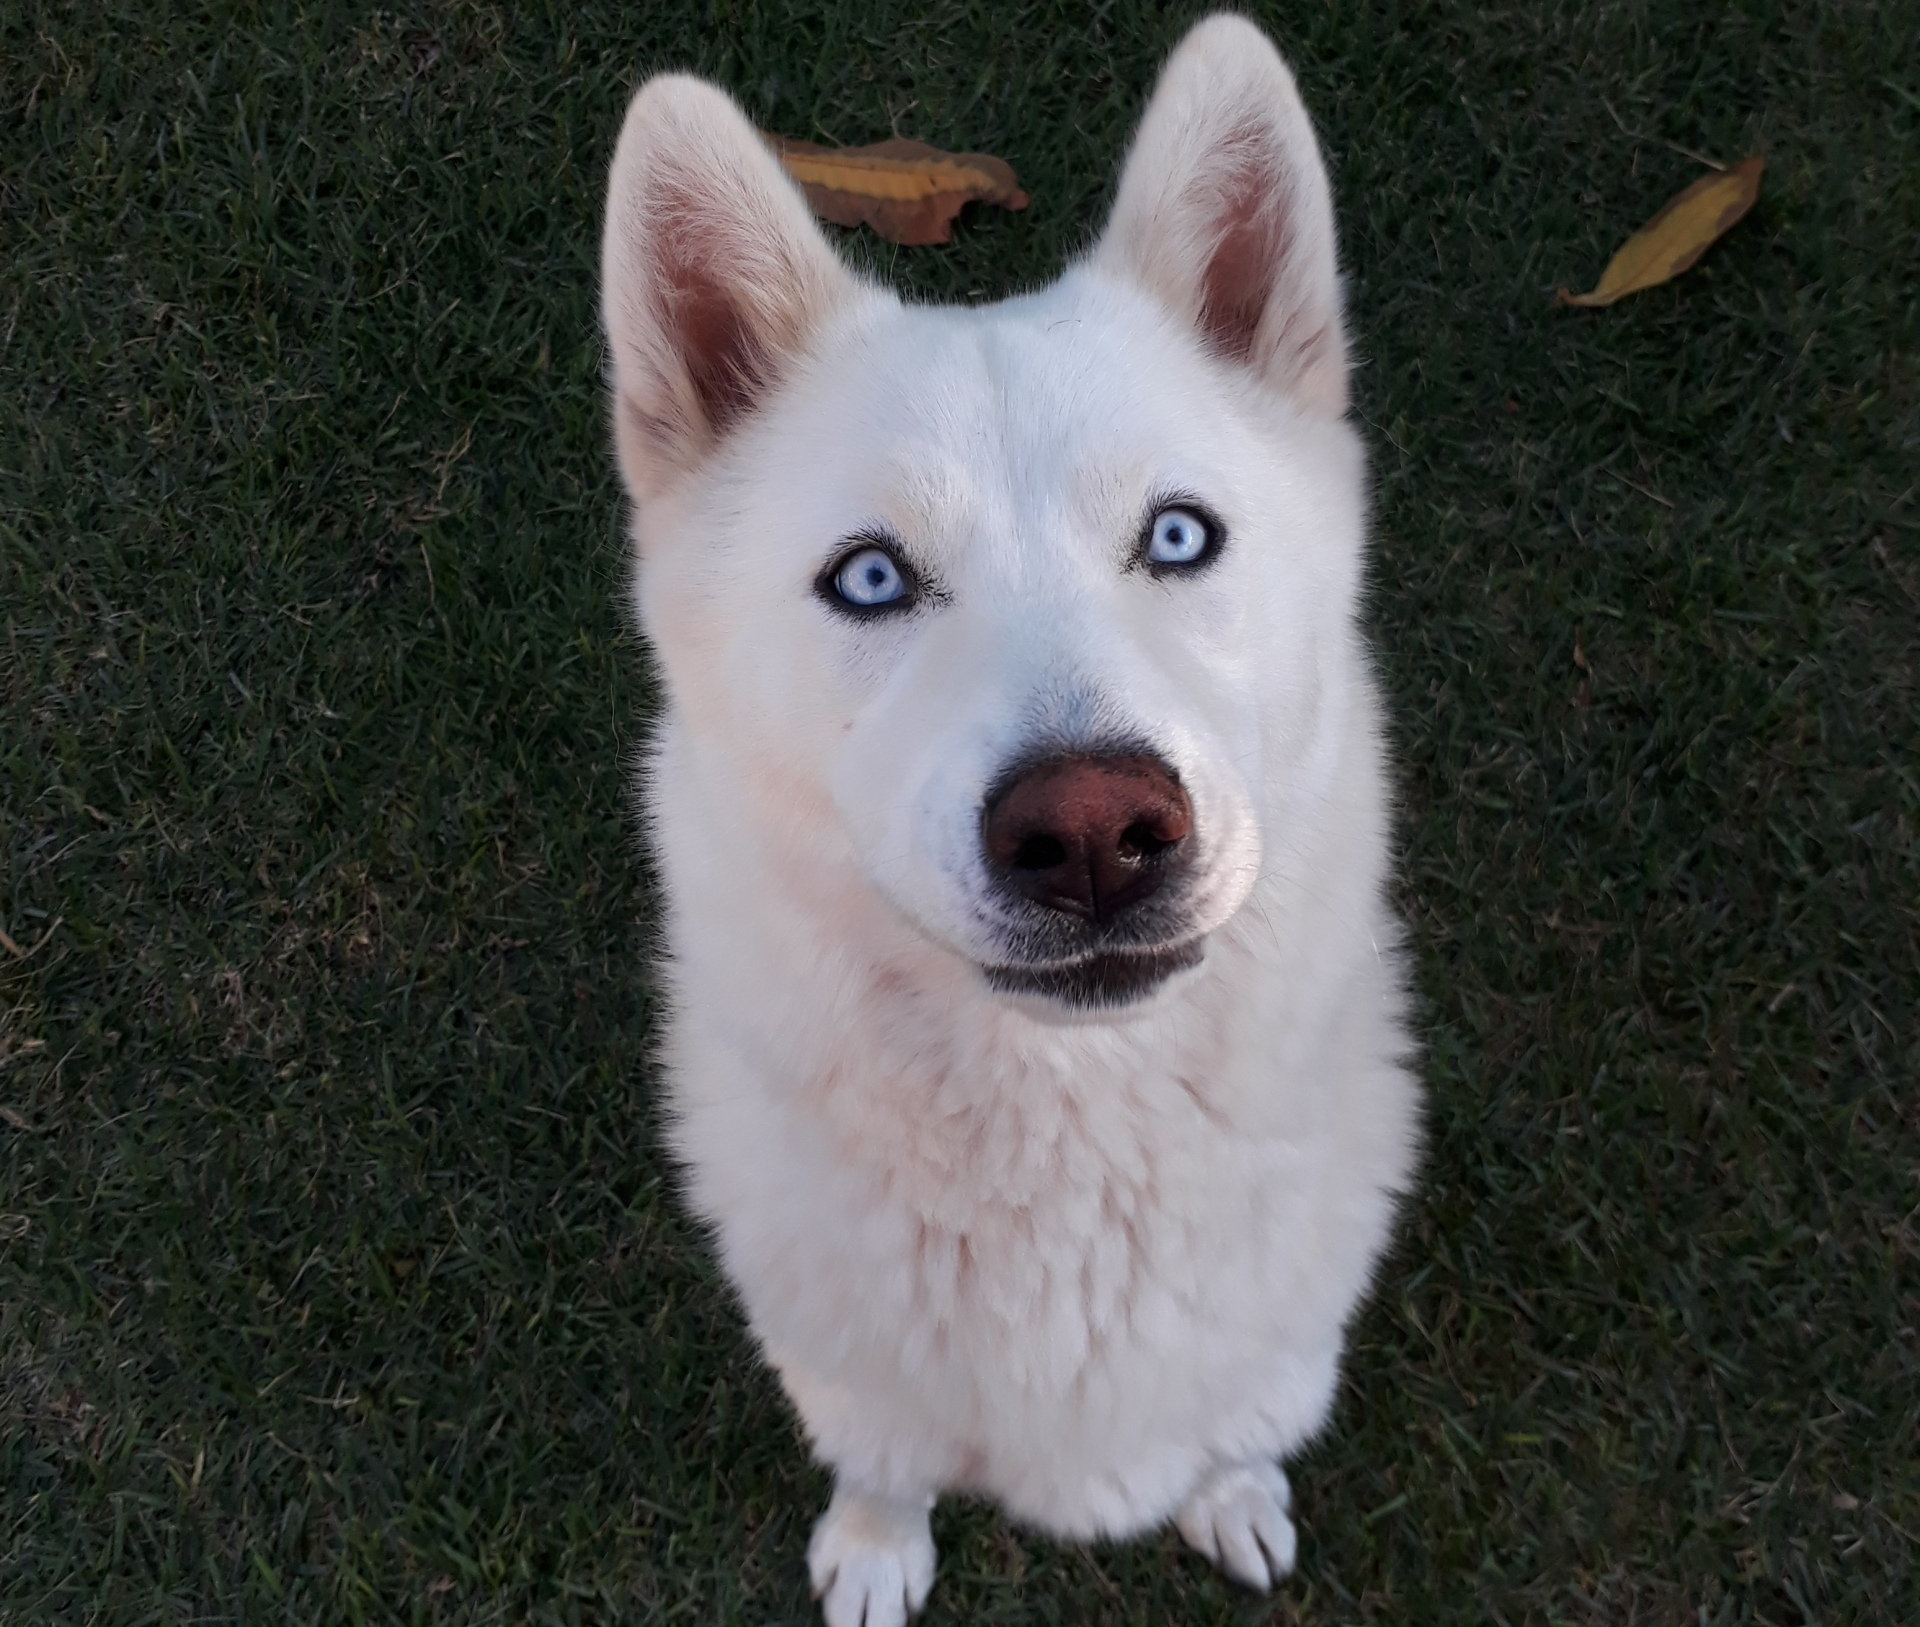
(1096,1265)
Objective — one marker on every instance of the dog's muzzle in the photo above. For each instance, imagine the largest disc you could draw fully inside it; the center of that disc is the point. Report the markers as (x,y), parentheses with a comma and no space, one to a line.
(1086,847)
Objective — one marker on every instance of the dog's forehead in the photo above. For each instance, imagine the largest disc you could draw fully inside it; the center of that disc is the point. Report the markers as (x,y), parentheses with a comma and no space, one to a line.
(1032,396)
(1050,365)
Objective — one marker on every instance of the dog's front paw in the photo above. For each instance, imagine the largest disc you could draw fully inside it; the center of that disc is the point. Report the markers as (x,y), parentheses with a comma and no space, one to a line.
(1238,1518)
(871,1559)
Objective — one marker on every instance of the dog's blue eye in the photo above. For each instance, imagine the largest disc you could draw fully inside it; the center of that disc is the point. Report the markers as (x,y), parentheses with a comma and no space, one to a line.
(1178,537)
(869,579)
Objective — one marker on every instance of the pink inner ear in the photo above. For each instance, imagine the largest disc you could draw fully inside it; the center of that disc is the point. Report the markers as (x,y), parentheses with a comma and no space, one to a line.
(725,364)
(725,356)
(1250,242)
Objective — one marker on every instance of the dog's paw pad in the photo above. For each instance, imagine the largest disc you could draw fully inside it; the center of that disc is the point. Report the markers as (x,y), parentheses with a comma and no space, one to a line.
(1238,1519)
(871,1560)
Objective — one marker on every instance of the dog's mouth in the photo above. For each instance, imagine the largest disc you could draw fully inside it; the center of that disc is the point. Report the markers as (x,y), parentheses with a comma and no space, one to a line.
(1113,977)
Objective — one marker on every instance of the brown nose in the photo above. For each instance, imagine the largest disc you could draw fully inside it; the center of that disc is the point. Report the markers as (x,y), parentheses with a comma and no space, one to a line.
(1087,835)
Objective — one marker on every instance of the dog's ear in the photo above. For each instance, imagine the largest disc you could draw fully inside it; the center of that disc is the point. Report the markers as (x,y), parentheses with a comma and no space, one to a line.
(1224,214)
(713,277)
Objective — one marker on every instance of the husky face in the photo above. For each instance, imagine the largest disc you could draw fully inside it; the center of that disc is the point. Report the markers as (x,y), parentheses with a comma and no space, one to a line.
(1020,614)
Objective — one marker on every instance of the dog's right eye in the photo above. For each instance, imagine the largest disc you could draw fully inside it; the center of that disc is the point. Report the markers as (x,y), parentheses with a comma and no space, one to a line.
(869,578)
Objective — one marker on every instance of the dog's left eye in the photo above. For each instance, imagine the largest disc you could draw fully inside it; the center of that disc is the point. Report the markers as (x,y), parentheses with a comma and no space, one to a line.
(870,578)
(1178,536)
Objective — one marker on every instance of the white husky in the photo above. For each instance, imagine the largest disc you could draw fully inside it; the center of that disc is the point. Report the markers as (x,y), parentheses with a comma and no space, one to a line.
(1037,1049)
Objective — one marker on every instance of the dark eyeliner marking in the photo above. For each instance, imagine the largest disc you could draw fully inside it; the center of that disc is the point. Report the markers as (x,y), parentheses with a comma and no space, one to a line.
(1157,504)
(919,587)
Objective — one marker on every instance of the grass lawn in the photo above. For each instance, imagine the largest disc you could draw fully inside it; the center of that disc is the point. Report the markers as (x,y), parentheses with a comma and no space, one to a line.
(340,1278)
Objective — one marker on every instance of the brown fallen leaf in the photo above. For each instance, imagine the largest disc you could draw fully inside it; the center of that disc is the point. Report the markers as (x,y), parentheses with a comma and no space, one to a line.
(1677,236)
(906,191)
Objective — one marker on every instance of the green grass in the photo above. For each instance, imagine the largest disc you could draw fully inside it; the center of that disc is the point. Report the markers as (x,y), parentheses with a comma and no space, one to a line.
(340,1278)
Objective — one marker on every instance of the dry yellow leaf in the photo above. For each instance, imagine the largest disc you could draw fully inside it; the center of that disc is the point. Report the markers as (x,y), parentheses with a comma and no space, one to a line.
(906,191)
(1678,235)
